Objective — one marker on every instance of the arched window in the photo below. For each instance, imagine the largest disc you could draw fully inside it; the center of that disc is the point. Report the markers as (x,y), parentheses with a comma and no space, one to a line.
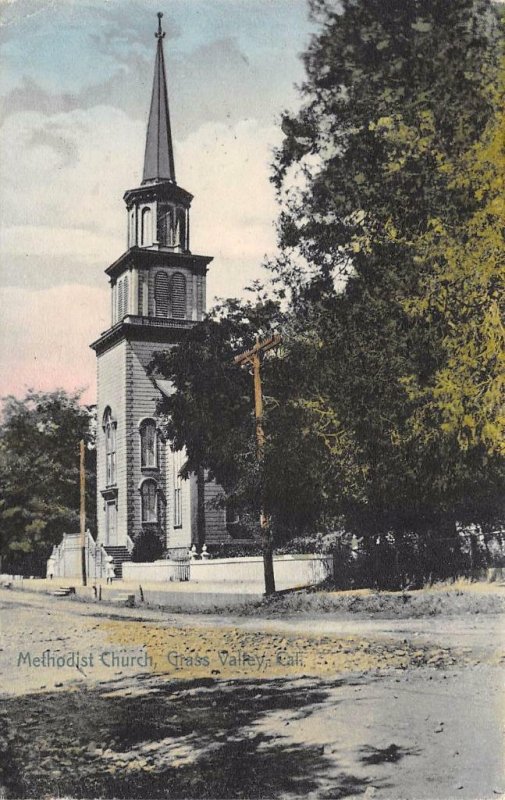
(177,462)
(149,500)
(132,229)
(147,228)
(178,295)
(161,294)
(180,235)
(109,426)
(148,444)
(166,225)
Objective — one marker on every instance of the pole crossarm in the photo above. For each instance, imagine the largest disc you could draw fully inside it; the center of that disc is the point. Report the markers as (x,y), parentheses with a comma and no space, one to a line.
(259,347)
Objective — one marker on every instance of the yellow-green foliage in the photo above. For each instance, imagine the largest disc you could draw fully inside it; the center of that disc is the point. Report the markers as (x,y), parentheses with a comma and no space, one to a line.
(462,286)
(466,288)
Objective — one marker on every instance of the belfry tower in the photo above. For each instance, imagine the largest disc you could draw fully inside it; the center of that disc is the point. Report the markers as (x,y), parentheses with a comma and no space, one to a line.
(157,293)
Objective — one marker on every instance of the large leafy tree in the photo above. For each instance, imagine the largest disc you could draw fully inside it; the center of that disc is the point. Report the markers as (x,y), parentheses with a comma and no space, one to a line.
(39,475)
(462,296)
(399,100)
(384,171)
(210,414)
(392,90)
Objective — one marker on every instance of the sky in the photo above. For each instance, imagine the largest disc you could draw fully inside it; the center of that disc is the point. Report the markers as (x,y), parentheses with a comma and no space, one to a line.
(75,91)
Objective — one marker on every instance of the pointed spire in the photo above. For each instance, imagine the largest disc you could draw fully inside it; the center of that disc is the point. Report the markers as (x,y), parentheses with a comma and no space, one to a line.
(159,155)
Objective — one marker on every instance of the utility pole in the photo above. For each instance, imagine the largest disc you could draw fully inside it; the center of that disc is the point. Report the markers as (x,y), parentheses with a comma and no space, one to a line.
(253,357)
(82,514)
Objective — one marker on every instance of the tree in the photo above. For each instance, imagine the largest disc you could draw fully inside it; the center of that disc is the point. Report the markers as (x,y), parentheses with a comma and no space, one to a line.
(462,295)
(399,99)
(211,416)
(391,90)
(39,475)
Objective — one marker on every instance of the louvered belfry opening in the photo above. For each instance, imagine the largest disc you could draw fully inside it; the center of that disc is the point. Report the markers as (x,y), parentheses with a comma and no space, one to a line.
(161,294)
(178,295)
(170,295)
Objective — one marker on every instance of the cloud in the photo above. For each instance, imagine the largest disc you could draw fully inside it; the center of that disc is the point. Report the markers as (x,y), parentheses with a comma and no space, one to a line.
(62,180)
(62,183)
(234,210)
(199,87)
(46,336)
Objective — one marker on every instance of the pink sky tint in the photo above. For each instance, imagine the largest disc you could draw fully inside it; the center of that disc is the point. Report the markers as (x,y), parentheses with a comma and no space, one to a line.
(49,347)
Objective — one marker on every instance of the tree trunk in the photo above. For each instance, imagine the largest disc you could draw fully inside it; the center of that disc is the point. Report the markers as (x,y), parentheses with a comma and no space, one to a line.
(268,560)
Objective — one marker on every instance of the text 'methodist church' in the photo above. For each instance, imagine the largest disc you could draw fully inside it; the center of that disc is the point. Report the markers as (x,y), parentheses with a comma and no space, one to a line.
(157,293)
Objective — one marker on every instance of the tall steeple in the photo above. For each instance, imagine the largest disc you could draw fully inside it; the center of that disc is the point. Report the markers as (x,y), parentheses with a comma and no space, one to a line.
(159,155)
(157,291)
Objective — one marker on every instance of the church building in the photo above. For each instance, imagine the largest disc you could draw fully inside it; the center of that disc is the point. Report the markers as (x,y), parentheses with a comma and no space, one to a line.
(157,291)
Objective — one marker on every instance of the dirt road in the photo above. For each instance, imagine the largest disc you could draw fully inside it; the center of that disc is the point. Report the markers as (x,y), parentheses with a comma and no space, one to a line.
(145,704)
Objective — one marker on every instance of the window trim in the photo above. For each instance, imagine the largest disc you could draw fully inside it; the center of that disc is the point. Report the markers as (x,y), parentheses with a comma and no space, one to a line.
(146,227)
(142,488)
(109,426)
(141,426)
(177,515)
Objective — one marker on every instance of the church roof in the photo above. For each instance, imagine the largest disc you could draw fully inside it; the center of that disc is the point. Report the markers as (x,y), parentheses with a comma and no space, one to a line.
(159,154)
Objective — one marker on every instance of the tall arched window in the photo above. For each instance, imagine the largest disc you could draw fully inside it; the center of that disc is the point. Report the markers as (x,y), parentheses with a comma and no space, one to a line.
(109,427)
(132,229)
(178,295)
(161,294)
(181,229)
(149,500)
(148,444)
(166,225)
(177,461)
(147,228)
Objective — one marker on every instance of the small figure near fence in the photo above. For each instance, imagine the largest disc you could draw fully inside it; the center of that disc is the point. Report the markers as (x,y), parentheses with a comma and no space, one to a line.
(109,570)
(50,568)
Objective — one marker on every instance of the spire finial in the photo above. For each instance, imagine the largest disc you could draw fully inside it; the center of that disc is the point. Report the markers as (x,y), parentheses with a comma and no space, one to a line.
(159,34)
(159,154)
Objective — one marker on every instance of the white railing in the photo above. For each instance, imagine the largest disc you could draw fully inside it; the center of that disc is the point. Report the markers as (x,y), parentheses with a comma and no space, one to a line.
(182,570)
(66,559)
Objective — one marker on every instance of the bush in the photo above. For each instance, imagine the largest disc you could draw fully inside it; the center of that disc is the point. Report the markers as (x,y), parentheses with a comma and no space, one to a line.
(234,549)
(325,543)
(147,546)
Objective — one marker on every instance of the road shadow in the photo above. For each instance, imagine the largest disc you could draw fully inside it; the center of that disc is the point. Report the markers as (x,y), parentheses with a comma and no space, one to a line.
(386,755)
(156,738)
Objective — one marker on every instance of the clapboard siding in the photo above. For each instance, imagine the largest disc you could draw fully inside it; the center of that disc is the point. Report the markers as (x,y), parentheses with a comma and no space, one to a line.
(142,397)
(111,391)
(215,518)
